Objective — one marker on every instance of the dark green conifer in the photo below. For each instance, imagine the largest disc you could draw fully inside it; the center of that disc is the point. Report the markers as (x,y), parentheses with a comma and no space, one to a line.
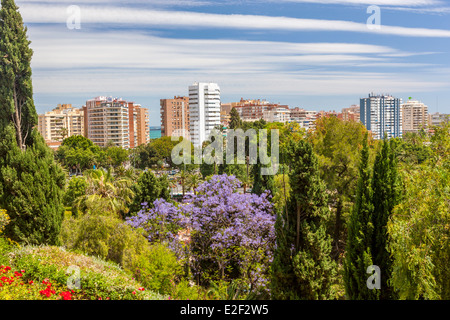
(385,198)
(31,182)
(302,266)
(358,255)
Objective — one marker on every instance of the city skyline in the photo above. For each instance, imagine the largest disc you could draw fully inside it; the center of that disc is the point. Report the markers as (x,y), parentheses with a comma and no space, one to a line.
(317,55)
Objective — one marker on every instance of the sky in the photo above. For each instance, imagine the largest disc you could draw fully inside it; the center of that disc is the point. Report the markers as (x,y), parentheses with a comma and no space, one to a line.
(313,54)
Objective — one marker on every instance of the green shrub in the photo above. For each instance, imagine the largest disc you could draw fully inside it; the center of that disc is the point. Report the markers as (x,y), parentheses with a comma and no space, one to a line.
(5,247)
(183,290)
(158,268)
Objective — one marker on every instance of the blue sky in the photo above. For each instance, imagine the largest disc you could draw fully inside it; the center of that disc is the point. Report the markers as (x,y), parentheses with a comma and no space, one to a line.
(315,54)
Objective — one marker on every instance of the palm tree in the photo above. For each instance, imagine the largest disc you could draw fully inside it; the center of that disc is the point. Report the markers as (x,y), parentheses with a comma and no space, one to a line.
(105,193)
(193,181)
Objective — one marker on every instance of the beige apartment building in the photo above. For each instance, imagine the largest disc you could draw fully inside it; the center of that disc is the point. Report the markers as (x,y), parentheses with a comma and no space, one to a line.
(252,110)
(123,123)
(175,117)
(62,122)
(414,116)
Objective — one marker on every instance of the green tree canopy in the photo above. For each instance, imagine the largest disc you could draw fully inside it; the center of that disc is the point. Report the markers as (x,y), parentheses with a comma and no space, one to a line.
(337,144)
(147,189)
(419,228)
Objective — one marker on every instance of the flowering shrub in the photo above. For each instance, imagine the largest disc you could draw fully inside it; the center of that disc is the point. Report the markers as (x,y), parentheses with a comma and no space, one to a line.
(13,286)
(162,223)
(231,235)
(99,279)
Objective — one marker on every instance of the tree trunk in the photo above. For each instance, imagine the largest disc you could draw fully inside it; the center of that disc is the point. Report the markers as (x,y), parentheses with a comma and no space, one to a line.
(18,122)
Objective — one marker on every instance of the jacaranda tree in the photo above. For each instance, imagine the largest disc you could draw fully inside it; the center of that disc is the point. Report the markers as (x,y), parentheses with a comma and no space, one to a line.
(231,235)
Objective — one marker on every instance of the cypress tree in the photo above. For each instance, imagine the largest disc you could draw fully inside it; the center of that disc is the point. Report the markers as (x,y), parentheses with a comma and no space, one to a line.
(16,92)
(235,119)
(358,255)
(302,266)
(31,182)
(385,198)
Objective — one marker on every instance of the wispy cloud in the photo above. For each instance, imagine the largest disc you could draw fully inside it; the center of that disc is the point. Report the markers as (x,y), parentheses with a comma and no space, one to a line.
(114,15)
(101,49)
(413,3)
(427,10)
(166,3)
(130,63)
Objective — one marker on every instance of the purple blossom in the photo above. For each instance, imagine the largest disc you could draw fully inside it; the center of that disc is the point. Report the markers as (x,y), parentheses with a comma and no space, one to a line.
(230,233)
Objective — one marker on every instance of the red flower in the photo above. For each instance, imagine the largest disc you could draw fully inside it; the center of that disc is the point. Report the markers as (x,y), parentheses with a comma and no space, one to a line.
(134,292)
(141,289)
(47,292)
(66,295)
(30,282)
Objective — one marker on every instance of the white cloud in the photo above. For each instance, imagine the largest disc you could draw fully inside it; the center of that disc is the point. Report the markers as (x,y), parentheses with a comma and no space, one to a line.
(413,3)
(33,13)
(65,49)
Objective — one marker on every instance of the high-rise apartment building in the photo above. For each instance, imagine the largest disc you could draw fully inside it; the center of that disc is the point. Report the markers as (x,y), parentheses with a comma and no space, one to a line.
(204,111)
(381,114)
(175,117)
(62,122)
(139,125)
(123,123)
(414,116)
